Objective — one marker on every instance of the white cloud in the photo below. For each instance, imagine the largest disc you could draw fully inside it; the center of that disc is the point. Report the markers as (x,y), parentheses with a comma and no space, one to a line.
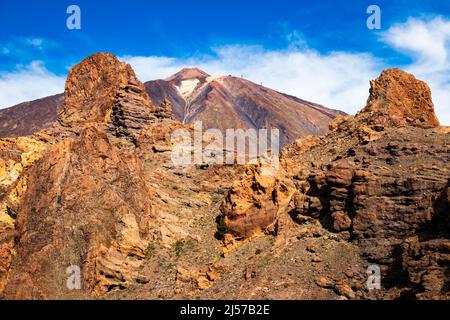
(428,43)
(339,80)
(35,42)
(28,83)
(150,68)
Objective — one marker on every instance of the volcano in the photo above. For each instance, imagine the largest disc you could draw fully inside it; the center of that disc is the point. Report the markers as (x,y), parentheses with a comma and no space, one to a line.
(220,102)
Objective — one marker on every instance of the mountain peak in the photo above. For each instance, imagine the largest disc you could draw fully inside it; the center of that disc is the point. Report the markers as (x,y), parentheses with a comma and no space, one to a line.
(188,74)
(91,86)
(397,98)
(102,89)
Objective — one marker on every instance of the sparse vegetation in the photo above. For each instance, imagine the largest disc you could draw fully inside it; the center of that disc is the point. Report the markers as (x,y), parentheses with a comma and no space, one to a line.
(149,251)
(221,228)
(265,261)
(181,245)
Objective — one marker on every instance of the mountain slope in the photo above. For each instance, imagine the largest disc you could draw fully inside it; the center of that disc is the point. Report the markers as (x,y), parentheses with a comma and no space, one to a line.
(378,180)
(219,102)
(230,103)
(29,117)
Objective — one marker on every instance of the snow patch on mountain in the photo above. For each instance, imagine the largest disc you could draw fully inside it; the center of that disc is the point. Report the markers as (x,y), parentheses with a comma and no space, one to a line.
(186,87)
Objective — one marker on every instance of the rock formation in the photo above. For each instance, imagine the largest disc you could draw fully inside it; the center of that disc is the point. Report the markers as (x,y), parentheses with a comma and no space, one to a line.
(164,110)
(98,191)
(379,179)
(84,201)
(399,99)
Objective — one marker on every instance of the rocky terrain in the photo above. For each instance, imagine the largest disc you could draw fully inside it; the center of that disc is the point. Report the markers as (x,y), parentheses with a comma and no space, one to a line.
(379,180)
(219,102)
(97,189)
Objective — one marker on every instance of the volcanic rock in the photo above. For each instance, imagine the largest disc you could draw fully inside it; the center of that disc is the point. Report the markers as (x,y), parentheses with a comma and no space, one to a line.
(73,214)
(99,191)
(398,99)
(379,180)
(253,203)
(94,193)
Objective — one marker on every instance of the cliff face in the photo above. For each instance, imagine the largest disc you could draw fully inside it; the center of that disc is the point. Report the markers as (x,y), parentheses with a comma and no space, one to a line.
(399,99)
(378,180)
(97,191)
(84,201)
(69,212)
(98,86)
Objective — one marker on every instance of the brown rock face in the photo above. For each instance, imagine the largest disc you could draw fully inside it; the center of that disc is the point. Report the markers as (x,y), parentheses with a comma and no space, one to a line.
(99,191)
(253,203)
(94,86)
(164,110)
(131,111)
(59,226)
(397,98)
(374,184)
(91,208)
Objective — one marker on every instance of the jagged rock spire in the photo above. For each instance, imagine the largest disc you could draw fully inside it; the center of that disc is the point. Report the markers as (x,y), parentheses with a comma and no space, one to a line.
(397,98)
(102,90)
(164,110)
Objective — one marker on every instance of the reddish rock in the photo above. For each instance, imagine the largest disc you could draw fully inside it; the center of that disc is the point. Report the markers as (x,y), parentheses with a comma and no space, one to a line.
(98,191)
(389,204)
(252,205)
(325,282)
(344,290)
(397,98)
(91,208)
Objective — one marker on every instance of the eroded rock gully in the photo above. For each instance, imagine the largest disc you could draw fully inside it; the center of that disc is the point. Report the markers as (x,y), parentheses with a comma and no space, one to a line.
(98,190)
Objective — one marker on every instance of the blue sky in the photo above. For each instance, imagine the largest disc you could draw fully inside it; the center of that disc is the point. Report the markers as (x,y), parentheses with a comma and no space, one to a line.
(317,50)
